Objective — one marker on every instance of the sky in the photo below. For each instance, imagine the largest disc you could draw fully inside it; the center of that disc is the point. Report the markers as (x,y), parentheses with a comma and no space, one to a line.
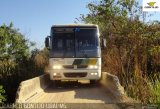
(34,18)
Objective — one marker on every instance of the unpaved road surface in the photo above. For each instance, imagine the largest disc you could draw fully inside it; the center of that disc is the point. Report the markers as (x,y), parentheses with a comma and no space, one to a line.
(80,95)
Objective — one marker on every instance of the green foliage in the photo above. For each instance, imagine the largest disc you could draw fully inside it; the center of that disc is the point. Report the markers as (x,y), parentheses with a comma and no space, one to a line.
(13,44)
(133,46)
(2,96)
(155,87)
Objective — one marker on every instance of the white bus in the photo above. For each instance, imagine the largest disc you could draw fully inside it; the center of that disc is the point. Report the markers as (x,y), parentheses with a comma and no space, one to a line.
(74,52)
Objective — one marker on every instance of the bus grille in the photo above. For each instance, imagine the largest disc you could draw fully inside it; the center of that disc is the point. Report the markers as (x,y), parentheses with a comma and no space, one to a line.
(75,74)
(68,66)
(72,66)
(82,66)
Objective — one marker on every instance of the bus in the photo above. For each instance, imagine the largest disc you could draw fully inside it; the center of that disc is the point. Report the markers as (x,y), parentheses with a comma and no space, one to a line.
(74,52)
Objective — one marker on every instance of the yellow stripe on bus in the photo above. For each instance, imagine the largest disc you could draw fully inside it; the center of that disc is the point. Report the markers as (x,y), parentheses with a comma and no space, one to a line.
(92,61)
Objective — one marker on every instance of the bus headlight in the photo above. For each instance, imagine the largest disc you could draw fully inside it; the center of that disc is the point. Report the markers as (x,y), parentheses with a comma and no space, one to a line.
(93,67)
(57,67)
(94,73)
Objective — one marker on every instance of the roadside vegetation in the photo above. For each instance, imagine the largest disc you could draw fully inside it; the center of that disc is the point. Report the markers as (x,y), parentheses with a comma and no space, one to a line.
(17,62)
(133,46)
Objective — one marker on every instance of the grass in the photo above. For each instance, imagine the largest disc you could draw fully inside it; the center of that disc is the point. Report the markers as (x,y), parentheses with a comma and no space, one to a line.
(145,89)
(155,88)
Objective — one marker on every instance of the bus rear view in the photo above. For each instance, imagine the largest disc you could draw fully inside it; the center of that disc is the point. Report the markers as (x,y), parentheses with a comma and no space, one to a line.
(74,52)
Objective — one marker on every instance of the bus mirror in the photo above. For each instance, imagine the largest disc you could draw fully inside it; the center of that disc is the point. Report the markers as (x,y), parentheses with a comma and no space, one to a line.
(104,43)
(47,42)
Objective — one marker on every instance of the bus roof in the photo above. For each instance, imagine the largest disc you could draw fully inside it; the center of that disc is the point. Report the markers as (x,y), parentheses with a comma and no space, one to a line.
(76,25)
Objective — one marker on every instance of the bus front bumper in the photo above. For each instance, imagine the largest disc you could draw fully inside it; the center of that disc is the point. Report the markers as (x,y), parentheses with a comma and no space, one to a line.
(75,74)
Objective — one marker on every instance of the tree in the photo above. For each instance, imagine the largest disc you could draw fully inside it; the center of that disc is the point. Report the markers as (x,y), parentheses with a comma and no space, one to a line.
(13,48)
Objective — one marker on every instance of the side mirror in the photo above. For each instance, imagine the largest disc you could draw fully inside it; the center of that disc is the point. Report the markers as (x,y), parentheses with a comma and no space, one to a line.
(47,45)
(104,43)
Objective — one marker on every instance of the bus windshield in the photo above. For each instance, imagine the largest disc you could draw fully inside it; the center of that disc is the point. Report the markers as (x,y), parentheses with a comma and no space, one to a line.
(83,42)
